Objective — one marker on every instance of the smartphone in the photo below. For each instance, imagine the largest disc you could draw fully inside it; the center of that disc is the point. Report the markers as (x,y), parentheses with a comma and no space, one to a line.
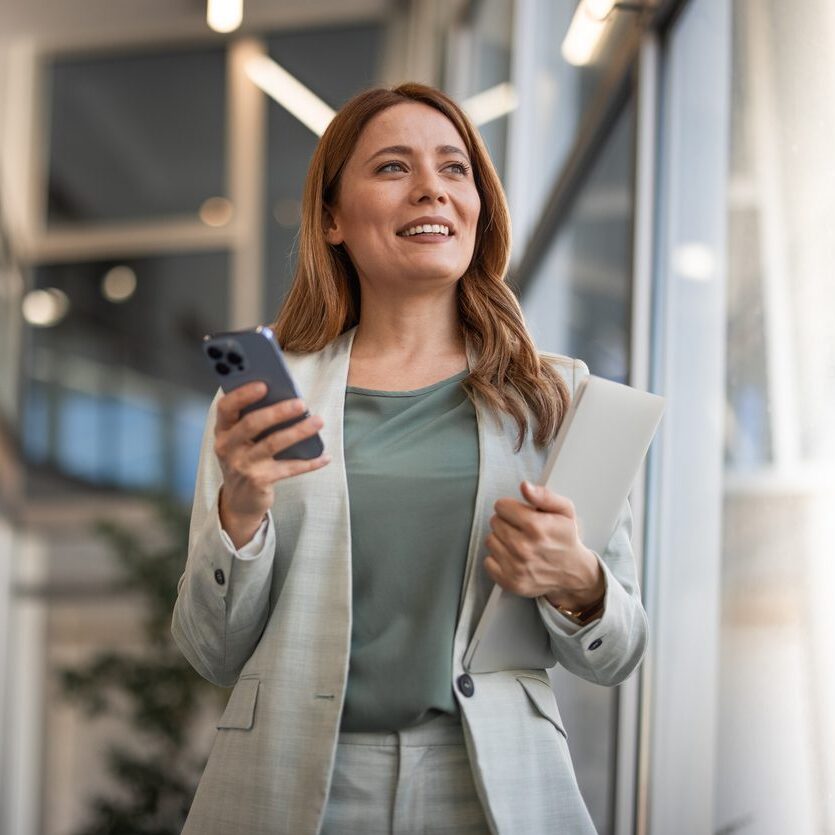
(239,357)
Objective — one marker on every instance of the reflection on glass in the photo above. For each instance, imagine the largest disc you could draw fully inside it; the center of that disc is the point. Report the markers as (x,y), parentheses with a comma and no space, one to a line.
(335,63)
(492,34)
(578,304)
(135,136)
(116,393)
(776,713)
(560,97)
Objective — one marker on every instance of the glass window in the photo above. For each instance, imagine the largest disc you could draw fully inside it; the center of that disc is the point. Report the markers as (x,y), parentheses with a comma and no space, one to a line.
(335,63)
(578,304)
(136,136)
(775,759)
(117,392)
(555,99)
(493,34)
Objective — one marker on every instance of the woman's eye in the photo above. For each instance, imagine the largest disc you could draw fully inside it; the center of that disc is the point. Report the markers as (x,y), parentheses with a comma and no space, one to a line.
(388,166)
(463,168)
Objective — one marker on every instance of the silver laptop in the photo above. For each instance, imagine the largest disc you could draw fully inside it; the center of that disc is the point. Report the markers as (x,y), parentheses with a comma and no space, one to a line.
(594,460)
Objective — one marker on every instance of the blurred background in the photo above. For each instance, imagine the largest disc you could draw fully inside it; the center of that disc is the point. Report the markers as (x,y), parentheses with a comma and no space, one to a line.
(669,171)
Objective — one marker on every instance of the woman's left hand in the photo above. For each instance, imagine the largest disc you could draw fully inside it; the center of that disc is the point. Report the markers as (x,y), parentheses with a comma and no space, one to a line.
(535,549)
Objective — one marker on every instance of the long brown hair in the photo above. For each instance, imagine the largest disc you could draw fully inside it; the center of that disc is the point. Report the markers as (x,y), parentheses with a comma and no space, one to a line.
(324,298)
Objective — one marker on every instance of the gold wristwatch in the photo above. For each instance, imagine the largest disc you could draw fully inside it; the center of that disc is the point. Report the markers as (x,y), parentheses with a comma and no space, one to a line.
(583,616)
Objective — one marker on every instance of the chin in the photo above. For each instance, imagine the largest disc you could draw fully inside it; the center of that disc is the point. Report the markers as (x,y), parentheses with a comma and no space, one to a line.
(441,274)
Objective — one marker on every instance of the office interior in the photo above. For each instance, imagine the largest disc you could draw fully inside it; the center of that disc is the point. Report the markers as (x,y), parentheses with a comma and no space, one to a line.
(669,171)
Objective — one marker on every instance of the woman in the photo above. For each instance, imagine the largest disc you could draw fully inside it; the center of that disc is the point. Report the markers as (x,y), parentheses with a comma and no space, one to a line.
(342,624)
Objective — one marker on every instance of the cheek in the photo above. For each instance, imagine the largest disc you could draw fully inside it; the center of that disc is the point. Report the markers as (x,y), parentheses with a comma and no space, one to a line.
(473,209)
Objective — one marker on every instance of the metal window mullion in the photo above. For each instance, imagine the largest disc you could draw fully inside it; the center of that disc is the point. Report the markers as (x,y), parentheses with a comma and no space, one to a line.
(246,176)
(130,240)
(776,300)
(629,785)
(683,522)
(20,146)
(521,123)
(596,126)
(23,757)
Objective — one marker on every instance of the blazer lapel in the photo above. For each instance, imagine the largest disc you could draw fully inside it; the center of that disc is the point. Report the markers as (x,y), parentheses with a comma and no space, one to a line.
(500,471)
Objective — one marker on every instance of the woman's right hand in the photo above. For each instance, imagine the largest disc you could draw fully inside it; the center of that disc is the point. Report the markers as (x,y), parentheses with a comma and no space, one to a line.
(249,469)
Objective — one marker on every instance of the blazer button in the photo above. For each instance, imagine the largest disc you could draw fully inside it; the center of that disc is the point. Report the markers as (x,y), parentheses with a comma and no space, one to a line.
(466,685)
(219,577)
(596,643)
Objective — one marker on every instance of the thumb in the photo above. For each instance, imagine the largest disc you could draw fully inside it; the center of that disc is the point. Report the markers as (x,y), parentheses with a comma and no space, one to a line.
(544,499)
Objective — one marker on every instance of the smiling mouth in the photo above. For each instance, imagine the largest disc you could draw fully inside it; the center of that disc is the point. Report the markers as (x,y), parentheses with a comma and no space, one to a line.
(427,230)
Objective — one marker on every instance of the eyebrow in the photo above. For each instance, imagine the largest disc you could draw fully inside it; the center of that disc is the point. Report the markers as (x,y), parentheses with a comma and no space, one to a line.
(405,150)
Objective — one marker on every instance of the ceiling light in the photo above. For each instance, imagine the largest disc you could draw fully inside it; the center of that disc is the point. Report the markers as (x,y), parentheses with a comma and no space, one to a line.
(491,104)
(225,15)
(590,21)
(118,284)
(45,308)
(601,9)
(216,211)
(695,261)
(287,212)
(290,93)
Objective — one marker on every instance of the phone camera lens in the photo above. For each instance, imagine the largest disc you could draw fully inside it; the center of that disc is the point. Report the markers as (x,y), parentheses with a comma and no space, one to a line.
(222,368)
(234,358)
(214,353)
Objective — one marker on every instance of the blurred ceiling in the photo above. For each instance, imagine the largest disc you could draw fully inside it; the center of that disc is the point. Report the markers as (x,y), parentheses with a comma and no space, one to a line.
(58,22)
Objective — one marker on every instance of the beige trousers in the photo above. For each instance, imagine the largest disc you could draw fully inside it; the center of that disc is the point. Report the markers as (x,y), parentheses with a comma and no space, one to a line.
(412,782)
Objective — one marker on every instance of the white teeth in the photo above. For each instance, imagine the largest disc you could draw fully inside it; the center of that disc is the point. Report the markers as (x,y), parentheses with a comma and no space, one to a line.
(436,229)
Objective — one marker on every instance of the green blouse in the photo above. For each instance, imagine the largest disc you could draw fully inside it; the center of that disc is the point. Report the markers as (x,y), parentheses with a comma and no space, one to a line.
(412,465)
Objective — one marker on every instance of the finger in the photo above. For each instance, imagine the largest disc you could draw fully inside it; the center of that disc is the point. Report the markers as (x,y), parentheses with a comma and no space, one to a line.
(495,571)
(514,512)
(497,548)
(283,439)
(508,535)
(229,405)
(277,470)
(254,423)
(544,499)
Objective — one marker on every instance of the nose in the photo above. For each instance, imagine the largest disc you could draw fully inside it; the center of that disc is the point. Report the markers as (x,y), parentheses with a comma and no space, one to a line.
(429,187)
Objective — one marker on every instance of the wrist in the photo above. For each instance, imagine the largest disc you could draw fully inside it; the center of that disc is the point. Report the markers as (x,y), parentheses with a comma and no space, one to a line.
(239,527)
(583,616)
(582,602)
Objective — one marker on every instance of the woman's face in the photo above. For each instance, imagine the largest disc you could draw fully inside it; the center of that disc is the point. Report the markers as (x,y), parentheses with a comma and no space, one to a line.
(408,169)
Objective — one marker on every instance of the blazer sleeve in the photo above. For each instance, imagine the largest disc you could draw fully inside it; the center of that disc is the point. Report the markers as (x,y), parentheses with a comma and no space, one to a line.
(223,602)
(607,650)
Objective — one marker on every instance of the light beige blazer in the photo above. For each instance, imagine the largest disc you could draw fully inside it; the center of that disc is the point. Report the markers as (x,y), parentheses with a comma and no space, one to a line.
(278,630)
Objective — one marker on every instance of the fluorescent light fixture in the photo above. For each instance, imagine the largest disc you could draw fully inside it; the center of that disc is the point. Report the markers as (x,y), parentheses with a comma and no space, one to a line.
(225,15)
(290,93)
(491,104)
(590,21)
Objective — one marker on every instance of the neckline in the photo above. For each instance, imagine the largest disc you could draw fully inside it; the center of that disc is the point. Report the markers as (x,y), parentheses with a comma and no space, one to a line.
(460,375)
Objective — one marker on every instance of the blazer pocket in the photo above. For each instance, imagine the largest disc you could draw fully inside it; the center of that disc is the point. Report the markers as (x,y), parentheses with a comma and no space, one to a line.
(240,710)
(541,696)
